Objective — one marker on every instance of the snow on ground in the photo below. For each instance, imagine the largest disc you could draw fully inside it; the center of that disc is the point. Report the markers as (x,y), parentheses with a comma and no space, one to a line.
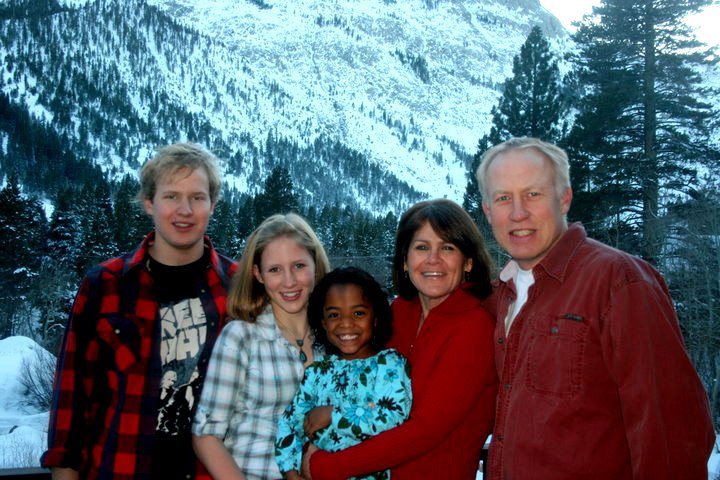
(23,431)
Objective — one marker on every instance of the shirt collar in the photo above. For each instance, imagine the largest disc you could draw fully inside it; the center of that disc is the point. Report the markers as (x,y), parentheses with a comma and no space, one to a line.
(139,256)
(509,271)
(556,261)
(267,326)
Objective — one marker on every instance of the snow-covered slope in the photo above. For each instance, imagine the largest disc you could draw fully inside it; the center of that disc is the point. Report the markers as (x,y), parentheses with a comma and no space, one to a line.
(429,70)
(382,100)
(22,430)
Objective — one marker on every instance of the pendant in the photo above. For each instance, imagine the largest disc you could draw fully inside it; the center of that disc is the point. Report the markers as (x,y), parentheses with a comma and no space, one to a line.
(300,343)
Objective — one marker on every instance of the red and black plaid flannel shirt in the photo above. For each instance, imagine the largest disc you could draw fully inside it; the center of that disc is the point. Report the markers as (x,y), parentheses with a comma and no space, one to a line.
(104,410)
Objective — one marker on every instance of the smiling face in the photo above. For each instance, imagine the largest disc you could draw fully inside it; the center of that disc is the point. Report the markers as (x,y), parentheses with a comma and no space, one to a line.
(180,209)
(524,209)
(287,272)
(348,320)
(435,267)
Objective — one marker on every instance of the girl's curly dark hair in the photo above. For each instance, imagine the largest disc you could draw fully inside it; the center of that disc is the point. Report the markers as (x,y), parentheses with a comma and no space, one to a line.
(372,291)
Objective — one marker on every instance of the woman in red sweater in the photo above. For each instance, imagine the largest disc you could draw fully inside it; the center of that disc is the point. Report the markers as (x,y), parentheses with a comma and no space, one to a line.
(441,269)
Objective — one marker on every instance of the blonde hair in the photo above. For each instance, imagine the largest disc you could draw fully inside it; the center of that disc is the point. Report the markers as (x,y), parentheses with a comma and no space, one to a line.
(174,158)
(247,297)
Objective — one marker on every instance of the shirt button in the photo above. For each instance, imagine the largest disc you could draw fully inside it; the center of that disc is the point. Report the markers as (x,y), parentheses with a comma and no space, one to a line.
(117,331)
(501,340)
(507,386)
(555,329)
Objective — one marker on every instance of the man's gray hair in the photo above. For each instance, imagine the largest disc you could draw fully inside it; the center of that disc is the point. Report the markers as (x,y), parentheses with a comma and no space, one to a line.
(557,156)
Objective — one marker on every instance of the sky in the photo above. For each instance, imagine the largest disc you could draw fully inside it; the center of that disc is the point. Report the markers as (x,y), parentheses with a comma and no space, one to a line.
(568,11)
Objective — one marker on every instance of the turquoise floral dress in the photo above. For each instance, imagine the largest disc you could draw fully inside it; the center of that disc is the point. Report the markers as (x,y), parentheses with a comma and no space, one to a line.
(368,396)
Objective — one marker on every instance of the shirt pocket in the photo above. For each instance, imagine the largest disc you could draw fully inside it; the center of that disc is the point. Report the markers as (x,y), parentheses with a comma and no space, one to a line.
(122,337)
(556,351)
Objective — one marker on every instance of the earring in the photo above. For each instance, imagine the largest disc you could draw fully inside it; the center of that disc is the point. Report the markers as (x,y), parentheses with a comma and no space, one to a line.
(406,274)
(467,276)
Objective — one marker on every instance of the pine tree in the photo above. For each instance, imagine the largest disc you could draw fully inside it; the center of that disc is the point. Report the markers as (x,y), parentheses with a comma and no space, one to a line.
(51,294)
(642,127)
(246,220)
(692,268)
(323,225)
(341,244)
(388,230)
(64,238)
(130,222)
(532,105)
(278,195)
(363,230)
(98,238)
(23,230)
(223,229)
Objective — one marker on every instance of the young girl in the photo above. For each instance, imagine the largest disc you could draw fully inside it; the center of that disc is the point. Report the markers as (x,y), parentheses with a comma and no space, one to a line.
(258,360)
(359,389)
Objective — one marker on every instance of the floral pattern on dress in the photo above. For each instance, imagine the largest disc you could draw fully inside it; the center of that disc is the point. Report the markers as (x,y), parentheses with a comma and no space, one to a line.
(368,396)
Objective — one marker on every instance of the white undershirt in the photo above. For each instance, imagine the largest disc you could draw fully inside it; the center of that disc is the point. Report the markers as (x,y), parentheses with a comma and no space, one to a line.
(523,281)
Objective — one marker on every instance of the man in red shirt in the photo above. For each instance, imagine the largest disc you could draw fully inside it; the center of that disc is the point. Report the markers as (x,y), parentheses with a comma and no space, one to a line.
(595,382)
(140,334)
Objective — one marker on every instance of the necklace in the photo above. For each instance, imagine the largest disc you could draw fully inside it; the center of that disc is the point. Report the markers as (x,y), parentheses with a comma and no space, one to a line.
(300,342)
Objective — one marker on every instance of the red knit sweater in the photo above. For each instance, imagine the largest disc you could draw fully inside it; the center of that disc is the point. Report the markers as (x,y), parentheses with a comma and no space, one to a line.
(454,383)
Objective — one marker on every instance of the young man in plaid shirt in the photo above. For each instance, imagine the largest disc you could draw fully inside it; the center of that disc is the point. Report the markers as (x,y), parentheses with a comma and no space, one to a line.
(140,334)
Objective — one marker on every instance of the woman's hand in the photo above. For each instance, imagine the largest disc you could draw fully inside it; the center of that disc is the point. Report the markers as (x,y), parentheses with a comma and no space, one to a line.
(293,475)
(317,419)
(311,448)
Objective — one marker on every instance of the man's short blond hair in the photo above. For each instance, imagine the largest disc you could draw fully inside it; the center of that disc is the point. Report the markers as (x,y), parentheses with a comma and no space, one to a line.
(174,158)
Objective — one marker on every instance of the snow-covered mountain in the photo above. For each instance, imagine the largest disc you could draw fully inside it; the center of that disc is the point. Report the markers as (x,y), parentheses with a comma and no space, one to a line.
(372,103)
(408,83)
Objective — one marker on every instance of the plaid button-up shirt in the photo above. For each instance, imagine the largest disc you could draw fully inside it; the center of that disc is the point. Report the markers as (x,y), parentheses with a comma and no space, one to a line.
(253,376)
(104,410)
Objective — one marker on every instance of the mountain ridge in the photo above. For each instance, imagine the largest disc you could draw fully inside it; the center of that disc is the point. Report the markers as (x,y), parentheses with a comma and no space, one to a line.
(382,100)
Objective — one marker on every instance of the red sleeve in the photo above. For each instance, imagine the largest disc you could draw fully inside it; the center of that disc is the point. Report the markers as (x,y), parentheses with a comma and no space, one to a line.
(67,422)
(463,370)
(671,435)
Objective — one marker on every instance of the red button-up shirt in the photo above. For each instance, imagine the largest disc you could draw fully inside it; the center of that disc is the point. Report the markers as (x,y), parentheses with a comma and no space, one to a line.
(595,382)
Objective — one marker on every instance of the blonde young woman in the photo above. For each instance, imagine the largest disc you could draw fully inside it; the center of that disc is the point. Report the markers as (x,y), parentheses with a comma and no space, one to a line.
(259,359)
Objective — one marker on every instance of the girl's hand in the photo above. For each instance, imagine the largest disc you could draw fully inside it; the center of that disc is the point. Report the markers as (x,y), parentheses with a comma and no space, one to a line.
(317,419)
(311,448)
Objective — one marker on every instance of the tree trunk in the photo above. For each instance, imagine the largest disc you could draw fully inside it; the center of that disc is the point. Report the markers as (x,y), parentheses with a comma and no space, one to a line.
(652,236)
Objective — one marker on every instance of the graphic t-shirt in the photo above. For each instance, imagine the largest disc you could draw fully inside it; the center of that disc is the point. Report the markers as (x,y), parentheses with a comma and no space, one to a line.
(183,330)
